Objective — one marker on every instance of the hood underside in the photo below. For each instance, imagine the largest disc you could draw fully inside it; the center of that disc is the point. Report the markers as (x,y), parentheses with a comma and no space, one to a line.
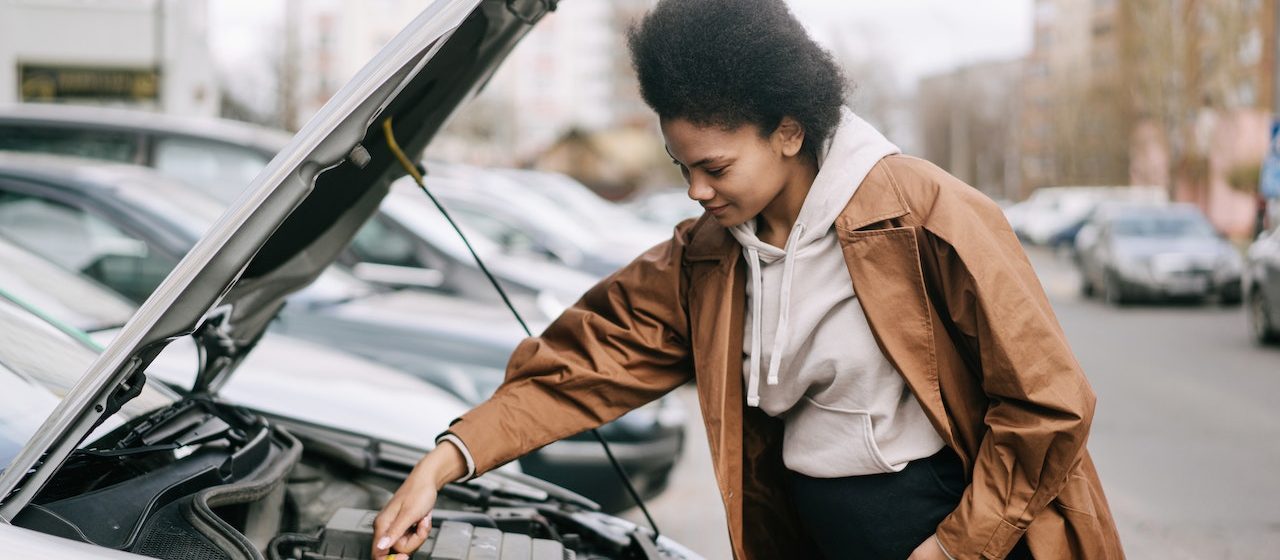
(292,221)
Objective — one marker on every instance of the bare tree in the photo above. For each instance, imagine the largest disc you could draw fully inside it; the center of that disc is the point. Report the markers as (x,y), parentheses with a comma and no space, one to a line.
(1185,59)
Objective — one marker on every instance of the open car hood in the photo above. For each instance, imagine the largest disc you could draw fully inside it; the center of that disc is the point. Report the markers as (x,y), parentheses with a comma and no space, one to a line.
(291,223)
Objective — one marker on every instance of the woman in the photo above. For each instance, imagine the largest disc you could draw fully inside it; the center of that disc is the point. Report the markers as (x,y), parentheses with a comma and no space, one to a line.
(880,373)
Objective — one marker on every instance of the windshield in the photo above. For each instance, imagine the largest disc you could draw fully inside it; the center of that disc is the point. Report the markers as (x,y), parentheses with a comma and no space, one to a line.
(39,363)
(189,212)
(407,205)
(80,302)
(1161,226)
(217,169)
(585,204)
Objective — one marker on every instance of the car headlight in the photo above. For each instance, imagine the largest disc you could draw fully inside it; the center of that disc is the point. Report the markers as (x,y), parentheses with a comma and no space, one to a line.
(1134,268)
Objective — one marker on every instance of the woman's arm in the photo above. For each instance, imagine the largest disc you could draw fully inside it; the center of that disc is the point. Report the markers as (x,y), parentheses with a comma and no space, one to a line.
(1041,405)
(623,344)
(620,346)
(393,528)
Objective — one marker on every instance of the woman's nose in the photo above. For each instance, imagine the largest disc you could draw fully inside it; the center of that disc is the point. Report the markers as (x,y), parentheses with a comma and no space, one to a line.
(700,191)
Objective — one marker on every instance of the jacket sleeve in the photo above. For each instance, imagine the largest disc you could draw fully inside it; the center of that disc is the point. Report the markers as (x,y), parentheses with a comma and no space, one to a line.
(1040,404)
(623,344)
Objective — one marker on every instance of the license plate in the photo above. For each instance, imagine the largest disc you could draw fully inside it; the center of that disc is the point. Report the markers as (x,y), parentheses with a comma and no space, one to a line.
(1185,286)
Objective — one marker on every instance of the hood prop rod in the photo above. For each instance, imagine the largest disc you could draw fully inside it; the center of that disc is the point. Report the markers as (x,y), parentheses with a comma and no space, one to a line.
(412,169)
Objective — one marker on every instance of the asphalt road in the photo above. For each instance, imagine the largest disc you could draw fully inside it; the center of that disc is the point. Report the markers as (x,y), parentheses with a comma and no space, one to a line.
(1186,435)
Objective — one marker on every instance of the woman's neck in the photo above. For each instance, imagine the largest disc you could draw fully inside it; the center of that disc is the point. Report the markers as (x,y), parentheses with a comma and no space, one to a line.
(774,223)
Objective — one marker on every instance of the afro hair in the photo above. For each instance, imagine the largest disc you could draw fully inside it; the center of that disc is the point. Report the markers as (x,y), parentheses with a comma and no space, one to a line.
(734,62)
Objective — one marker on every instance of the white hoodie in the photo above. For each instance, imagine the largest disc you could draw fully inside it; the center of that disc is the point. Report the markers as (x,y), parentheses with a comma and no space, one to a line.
(847,410)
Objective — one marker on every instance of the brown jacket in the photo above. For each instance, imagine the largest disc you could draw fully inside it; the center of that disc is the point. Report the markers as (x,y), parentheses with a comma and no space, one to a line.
(1008,396)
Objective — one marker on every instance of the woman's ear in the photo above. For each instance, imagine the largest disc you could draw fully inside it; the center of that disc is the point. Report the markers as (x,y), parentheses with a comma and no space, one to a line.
(789,136)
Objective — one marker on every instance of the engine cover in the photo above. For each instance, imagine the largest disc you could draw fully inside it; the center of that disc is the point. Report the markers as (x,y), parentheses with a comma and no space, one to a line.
(349,535)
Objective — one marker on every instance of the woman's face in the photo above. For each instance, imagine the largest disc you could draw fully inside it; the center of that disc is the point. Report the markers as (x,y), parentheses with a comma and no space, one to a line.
(733,173)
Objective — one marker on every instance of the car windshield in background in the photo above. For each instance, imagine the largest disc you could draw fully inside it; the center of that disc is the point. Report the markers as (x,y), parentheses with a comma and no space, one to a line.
(1161,226)
(110,145)
(39,363)
(219,170)
(72,298)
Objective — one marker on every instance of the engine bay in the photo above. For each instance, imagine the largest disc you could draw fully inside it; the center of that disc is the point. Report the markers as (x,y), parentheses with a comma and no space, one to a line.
(458,536)
(205,480)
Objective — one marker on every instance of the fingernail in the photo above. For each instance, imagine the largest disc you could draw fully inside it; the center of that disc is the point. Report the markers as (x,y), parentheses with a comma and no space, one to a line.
(384,543)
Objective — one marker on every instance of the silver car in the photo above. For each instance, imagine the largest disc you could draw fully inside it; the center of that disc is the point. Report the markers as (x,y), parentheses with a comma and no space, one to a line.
(284,375)
(1128,252)
(117,469)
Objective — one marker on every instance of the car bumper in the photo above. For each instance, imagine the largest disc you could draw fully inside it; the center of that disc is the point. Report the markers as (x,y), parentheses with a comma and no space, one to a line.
(1180,287)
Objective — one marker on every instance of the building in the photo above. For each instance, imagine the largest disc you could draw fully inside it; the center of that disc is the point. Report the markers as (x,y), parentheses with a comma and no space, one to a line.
(570,73)
(1063,106)
(146,54)
(1200,78)
(969,124)
(1176,93)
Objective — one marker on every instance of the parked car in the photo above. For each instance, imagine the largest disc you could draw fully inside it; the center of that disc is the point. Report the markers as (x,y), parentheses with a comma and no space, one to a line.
(409,237)
(1263,266)
(219,157)
(1053,216)
(613,235)
(513,225)
(182,476)
(1156,251)
(126,227)
(284,375)
(109,496)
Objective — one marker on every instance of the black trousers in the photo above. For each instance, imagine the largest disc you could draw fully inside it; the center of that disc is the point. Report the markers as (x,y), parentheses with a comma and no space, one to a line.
(881,516)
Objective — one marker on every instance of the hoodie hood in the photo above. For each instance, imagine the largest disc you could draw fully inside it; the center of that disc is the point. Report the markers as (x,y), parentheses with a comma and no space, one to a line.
(844,163)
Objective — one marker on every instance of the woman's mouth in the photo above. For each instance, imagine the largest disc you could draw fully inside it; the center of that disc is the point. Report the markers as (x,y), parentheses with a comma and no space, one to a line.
(716,210)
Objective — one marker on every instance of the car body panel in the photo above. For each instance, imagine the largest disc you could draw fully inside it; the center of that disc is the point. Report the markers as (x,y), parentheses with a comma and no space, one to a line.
(1263,277)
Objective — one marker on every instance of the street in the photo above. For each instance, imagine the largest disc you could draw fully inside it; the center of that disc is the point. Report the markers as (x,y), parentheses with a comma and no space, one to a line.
(1185,434)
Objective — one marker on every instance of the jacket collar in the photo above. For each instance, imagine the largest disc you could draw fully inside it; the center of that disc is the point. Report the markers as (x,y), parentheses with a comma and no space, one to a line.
(876,200)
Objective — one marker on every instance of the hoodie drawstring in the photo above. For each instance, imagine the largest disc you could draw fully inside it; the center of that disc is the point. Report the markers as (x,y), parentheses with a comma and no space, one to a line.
(784,313)
(753,386)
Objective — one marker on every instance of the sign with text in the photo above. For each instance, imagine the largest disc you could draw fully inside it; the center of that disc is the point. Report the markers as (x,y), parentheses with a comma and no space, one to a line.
(65,83)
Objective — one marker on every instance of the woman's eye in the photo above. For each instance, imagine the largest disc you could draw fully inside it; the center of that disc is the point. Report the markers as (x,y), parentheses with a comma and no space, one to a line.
(716,172)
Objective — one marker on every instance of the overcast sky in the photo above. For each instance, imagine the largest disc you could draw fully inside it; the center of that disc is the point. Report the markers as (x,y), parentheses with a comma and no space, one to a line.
(921,36)
(917,37)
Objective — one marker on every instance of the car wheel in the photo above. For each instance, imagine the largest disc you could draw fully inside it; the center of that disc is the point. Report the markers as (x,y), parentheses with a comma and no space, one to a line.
(1230,296)
(1112,293)
(1086,287)
(1263,330)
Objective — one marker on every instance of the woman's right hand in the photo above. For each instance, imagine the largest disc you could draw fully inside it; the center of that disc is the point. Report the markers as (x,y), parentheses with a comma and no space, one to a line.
(402,525)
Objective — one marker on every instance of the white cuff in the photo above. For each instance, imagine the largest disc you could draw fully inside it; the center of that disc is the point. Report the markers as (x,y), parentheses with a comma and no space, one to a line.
(944,549)
(466,454)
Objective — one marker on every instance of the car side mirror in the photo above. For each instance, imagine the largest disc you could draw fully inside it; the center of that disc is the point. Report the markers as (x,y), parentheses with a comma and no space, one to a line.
(399,276)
